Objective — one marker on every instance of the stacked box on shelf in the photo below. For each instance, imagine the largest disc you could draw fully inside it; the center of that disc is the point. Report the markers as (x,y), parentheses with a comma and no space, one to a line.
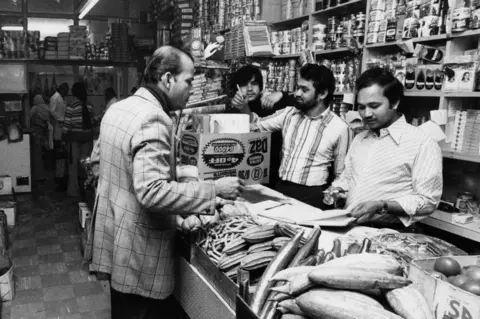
(183,23)
(120,51)
(77,42)
(467,132)
(236,42)
(50,46)
(63,45)
(33,43)
(196,93)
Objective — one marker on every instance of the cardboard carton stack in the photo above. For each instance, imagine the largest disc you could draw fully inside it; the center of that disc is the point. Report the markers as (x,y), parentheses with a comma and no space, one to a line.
(467,132)
(50,48)
(77,42)
(120,52)
(63,45)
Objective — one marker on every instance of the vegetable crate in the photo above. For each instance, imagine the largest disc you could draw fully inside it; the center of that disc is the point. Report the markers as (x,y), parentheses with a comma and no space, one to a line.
(225,287)
(445,300)
(243,310)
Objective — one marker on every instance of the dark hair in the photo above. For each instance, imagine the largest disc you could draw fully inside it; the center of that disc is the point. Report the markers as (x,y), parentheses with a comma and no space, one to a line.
(133,90)
(64,86)
(244,75)
(392,87)
(79,90)
(110,94)
(322,79)
(165,59)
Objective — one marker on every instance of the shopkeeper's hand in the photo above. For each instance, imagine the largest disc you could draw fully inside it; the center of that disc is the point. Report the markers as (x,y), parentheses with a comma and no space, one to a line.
(229,187)
(269,100)
(239,101)
(364,211)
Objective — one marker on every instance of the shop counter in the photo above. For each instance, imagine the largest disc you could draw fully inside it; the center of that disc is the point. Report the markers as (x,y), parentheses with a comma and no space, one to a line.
(443,221)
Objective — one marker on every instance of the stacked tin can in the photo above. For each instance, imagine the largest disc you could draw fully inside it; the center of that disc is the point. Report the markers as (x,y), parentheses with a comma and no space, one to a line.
(341,33)
(345,71)
(282,76)
(289,41)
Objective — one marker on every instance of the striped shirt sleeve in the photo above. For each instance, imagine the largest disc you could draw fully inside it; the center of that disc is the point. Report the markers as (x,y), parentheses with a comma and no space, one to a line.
(427,183)
(344,180)
(270,123)
(344,140)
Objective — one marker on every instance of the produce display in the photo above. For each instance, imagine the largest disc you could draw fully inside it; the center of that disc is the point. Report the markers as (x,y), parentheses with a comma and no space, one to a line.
(466,278)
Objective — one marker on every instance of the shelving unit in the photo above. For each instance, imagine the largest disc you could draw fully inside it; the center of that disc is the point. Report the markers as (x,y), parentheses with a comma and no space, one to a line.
(460,156)
(347,7)
(287,56)
(429,93)
(443,221)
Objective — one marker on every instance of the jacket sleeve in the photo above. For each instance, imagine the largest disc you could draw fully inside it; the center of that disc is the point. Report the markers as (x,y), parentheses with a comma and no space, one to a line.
(151,147)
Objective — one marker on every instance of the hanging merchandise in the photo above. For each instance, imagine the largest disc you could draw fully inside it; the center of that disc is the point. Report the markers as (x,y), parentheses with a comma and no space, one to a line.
(15,133)
(53,89)
(38,86)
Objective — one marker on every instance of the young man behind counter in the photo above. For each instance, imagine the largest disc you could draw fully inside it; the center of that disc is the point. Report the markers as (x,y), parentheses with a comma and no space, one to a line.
(393,171)
(314,138)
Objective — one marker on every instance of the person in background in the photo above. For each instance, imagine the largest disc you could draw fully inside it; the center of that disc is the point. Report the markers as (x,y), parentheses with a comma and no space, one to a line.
(57,107)
(40,118)
(314,138)
(110,97)
(393,170)
(247,83)
(138,197)
(78,134)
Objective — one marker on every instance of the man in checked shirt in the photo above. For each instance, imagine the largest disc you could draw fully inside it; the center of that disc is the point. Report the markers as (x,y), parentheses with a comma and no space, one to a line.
(393,171)
(314,138)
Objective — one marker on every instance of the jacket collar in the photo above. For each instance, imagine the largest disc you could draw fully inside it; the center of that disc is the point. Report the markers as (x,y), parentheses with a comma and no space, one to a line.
(157,97)
(395,130)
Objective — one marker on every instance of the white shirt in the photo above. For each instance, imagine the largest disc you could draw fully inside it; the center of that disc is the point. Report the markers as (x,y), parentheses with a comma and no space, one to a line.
(403,164)
(57,107)
(310,145)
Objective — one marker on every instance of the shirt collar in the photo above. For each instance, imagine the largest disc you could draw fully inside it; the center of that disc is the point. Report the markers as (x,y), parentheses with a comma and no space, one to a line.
(322,116)
(395,130)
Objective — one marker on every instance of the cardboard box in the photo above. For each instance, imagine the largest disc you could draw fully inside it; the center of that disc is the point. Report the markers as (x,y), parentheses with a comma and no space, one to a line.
(84,213)
(6,187)
(445,300)
(221,155)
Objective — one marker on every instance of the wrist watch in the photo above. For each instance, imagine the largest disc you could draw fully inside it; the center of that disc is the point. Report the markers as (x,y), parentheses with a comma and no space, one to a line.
(384,209)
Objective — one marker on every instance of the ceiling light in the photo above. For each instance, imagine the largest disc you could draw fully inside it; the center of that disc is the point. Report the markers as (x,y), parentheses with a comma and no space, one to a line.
(12,28)
(89,4)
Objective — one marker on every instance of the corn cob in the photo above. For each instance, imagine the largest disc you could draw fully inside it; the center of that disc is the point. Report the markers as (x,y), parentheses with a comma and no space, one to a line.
(235,246)
(290,306)
(292,316)
(355,279)
(267,245)
(289,231)
(278,242)
(259,234)
(409,303)
(228,262)
(257,260)
(373,262)
(289,273)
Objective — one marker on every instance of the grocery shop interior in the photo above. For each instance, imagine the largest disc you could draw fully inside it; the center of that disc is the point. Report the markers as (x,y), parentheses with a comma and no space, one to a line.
(248,159)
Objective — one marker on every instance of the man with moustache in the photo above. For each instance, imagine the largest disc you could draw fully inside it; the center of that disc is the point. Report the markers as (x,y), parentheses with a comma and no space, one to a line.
(314,138)
(393,170)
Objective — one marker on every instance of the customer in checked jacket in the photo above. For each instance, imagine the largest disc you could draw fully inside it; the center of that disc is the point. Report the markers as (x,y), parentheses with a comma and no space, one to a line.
(137,198)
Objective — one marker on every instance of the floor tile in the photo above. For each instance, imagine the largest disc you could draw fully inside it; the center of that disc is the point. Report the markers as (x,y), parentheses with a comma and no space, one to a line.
(66,239)
(53,268)
(70,316)
(51,258)
(93,303)
(60,308)
(23,252)
(24,243)
(46,234)
(87,288)
(27,271)
(80,276)
(6,312)
(48,241)
(49,249)
(58,293)
(76,265)
(72,255)
(30,311)
(55,280)
(25,230)
(103,314)
(26,261)
(27,283)
(42,227)
(69,247)
(24,297)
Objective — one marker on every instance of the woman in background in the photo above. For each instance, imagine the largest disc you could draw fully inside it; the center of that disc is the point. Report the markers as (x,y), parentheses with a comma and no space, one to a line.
(78,134)
(41,118)
(110,97)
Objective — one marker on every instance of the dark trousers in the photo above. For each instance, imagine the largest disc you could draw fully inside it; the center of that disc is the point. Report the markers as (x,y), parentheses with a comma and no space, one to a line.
(128,306)
(311,195)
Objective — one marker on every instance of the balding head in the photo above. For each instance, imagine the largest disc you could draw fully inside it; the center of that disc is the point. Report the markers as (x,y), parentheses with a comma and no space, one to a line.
(165,59)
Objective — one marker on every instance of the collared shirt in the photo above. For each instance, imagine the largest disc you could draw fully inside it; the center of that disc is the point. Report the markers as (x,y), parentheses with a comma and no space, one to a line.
(57,107)
(403,164)
(310,145)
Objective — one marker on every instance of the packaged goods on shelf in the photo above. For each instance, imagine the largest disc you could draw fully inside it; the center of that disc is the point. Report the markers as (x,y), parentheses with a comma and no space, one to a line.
(282,76)
(462,73)
(119,38)
(12,44)
(345,71)
(466,137)
(339,33)
(290,41)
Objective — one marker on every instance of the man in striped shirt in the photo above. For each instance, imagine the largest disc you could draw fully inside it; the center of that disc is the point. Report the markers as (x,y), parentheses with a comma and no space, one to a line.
(314,138)
(393,171)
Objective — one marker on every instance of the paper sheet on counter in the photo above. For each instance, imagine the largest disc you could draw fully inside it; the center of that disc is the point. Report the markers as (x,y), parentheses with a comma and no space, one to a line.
(439,117)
